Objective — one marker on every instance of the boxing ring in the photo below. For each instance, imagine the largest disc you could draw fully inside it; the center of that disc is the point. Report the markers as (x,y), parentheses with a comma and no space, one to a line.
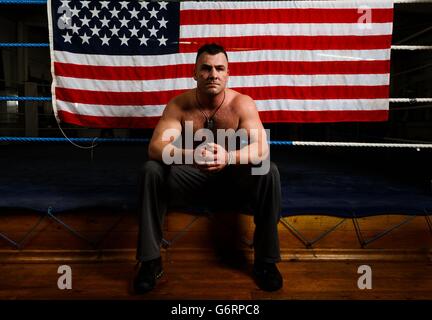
(50,176)
(341,179)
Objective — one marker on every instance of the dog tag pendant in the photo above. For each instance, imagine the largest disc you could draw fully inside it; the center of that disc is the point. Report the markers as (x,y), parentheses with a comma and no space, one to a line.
(210,124)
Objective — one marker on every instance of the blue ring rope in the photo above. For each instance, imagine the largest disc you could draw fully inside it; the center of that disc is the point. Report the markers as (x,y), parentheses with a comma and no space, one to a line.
(78,140)
(12,98)
(281,143)
(24,44)
(23,2)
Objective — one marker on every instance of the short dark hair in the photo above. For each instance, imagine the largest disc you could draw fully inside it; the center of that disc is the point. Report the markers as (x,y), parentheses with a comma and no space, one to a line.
(211,48)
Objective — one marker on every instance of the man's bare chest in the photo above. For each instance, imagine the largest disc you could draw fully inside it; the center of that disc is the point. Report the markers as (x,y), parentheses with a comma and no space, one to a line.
(223,119)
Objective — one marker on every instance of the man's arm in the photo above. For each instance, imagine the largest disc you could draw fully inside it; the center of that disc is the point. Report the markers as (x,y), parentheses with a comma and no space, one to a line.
(257,149)
(170,125)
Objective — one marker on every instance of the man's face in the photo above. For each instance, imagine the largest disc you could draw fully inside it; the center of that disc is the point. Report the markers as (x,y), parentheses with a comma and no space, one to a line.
(211,73)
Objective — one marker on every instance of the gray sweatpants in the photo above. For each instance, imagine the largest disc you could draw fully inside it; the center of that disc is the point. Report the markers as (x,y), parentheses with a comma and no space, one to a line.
(183,186)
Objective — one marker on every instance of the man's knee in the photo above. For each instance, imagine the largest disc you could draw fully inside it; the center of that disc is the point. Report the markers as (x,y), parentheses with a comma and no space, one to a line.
(152,168)
(273,171)
(266,168)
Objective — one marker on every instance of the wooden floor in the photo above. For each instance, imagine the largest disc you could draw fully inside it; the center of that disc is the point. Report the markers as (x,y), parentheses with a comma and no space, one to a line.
(204,279)
(197,268)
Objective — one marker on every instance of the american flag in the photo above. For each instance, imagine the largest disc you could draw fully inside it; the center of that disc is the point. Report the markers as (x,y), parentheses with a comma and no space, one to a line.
(115,64)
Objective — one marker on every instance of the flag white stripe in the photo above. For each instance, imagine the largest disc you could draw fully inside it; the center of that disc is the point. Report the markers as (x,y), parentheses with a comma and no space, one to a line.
(126,85)
(234,81)
(110,111)
(206,5)
(262,105)
(285,29)
(249,56)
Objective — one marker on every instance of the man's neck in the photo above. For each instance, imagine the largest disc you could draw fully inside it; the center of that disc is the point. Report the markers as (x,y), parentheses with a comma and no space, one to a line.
(210,102)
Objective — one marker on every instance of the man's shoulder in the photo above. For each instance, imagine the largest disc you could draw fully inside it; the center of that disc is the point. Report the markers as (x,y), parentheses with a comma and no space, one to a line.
(241,102)
(182,101)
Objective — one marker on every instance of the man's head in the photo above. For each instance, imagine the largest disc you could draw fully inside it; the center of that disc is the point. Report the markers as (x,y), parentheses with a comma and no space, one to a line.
(211,69)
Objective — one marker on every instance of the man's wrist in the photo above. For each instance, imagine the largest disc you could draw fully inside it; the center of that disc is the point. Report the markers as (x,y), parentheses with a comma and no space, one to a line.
(230,158)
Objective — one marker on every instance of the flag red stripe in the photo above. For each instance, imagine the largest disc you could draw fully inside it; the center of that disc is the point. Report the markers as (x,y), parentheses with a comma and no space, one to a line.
(236,68)
(255,16)
(258,93)
(323,116)
(317,92)
(311,68)
(248,43)
(108,122)
(122,72)
(266,117)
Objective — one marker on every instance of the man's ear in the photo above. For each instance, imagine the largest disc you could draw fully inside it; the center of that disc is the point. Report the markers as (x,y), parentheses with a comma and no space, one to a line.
(195,74)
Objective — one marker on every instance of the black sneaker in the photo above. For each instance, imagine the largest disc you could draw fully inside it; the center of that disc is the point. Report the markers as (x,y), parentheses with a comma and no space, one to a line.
(267,276)
(147,275)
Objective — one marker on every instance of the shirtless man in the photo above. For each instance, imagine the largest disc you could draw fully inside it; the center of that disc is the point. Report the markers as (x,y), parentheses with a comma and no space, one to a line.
(215,176)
